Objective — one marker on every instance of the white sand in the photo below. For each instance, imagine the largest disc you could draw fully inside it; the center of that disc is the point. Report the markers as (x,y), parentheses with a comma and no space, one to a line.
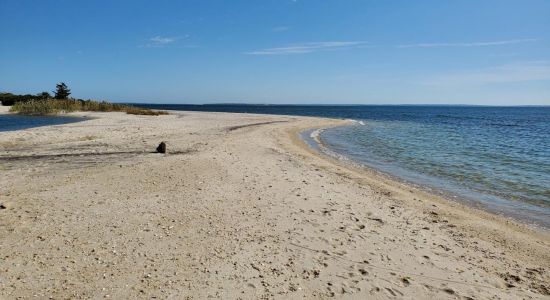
(4,109)
(237,212)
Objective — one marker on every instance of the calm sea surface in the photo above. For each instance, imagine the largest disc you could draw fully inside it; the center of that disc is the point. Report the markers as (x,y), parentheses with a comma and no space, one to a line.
(497,158)
(17,122)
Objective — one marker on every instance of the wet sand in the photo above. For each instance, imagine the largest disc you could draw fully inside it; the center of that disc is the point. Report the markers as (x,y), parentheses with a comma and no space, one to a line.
(240,207)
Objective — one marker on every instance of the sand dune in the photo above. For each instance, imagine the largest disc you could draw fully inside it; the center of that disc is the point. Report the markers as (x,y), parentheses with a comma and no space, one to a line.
(238,208)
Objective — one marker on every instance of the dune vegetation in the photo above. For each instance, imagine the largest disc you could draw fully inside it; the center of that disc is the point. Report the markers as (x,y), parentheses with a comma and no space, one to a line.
(55,106)
(45,104)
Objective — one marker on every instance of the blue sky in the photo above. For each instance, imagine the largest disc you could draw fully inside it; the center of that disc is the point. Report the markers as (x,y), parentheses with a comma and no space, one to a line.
(280,51)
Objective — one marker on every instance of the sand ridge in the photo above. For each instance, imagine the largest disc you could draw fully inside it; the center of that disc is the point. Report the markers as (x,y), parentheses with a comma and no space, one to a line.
(238,208)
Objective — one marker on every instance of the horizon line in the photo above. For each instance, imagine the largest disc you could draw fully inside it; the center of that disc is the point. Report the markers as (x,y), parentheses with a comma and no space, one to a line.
(345,104)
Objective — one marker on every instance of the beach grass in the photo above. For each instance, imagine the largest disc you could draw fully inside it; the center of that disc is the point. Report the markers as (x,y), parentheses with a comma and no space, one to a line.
(55,106)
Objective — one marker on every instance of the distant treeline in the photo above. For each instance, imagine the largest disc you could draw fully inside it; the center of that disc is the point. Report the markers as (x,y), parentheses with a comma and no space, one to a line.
(9,99)
(62,91)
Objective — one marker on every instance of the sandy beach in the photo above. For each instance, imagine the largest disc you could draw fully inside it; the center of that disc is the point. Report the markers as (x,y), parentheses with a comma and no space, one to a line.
(239,208)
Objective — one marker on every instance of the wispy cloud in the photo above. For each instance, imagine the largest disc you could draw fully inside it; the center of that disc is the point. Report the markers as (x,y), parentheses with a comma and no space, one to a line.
(280,28)
(343,45)
(514,72)
(162,41)
(309,47)
(472,44)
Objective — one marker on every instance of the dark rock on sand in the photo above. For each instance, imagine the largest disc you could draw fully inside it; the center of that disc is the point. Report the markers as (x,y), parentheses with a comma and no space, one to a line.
(161,148)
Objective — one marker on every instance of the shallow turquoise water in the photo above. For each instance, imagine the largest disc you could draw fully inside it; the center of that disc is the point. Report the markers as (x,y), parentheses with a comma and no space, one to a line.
(500,157)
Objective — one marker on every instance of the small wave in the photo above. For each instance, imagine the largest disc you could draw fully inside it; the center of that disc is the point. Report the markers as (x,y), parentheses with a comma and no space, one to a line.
(315,135)
(357,121)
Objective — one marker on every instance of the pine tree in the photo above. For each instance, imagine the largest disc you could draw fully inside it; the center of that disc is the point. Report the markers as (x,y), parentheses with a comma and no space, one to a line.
(62,91)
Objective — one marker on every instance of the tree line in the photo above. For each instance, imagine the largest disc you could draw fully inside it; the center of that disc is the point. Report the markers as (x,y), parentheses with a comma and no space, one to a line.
(62,91)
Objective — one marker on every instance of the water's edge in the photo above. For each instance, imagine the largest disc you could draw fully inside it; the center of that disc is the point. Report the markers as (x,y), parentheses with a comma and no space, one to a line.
(505,208)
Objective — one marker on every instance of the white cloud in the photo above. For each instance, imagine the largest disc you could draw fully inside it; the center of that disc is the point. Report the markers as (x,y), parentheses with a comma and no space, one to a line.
(514,72)
(474,44)
(309,47)
(162,41)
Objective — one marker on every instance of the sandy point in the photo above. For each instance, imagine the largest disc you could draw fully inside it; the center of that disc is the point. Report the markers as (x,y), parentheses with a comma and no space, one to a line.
(238,208)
